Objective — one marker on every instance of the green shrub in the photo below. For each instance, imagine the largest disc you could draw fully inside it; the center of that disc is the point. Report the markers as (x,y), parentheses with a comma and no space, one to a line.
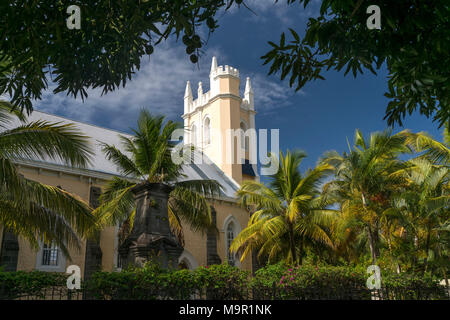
(341,282)
(270,274)
(152,282)
(279,281)
(220,276)
(20,283)
(412,286)
(307,281)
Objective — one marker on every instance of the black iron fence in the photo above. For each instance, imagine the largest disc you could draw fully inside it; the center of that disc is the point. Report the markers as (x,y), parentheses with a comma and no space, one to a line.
(230,293)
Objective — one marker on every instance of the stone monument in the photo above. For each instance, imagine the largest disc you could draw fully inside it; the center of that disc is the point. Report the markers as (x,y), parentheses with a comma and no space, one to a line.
(151,237)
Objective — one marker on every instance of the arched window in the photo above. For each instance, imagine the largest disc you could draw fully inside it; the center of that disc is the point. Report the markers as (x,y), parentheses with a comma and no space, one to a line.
(183,265)
(194,134)
(230,234)
(187,261)
(207,131)
(244,139)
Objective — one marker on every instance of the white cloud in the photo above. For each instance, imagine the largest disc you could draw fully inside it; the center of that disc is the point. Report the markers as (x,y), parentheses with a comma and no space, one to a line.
(265,10)
(269,94)
(159,87)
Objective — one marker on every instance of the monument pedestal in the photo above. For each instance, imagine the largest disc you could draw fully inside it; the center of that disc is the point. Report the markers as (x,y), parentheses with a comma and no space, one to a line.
(151,237)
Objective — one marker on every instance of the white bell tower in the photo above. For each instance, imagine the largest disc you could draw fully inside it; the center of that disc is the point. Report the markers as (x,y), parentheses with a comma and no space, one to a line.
(208,118)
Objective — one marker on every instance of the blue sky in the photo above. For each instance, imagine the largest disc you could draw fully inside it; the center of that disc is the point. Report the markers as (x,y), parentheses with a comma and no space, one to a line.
(318,118)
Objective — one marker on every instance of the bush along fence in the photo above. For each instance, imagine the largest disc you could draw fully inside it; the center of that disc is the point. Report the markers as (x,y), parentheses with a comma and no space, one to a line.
(223,282)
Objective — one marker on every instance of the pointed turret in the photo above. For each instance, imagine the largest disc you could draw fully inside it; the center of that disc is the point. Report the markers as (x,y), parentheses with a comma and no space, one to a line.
(188,98)
(213,83)
(188,91)
(248,94)
(200,92)
(213,65)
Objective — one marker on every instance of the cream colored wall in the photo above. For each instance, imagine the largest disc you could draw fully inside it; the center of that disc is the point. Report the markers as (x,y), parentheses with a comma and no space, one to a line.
(108,244)
(225,113)
(224,209)
(214,150)
(195,243)
(229,85)
(70,183)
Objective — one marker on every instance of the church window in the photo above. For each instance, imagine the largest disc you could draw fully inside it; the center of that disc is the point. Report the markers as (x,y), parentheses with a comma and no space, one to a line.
(194,134)
(244,138)
(207,131)
(50,254)
(230,234)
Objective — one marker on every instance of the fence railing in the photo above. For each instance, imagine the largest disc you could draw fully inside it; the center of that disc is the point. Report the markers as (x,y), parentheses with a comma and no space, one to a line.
(230,293)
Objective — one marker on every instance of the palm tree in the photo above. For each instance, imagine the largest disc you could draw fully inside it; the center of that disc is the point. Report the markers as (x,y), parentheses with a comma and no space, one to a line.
(447,133)
(35,210)
(289,214)
(364,182)
(147,157)
(427,147)
(422,208)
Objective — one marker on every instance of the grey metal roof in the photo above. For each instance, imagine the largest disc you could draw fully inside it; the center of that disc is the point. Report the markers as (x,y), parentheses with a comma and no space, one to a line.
(112,137)
(211,172)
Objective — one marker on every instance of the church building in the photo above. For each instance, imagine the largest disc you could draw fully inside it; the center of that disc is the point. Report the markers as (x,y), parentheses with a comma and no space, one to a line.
(207,119)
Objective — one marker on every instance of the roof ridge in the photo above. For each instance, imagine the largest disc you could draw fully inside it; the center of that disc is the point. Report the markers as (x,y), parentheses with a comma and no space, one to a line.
(82,122)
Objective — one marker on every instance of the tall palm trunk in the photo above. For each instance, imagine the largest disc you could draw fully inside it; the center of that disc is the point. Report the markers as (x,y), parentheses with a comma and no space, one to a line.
(427,247)
(300,256)
(372,245)
(292,243)
(416,248)
(372,237)
(389,238)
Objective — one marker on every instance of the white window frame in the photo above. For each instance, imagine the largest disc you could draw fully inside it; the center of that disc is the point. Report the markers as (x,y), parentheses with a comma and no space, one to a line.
(231,220)
(230,230)
(194,134)
(59,267)
(244,139)
(206,131)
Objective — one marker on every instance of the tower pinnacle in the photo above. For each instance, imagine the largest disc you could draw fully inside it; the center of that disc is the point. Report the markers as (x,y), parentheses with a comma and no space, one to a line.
(188,99)
(213,64)
(248,94)
(188,91)
(248,86)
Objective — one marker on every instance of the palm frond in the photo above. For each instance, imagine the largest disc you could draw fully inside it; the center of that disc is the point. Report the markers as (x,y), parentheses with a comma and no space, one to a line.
(8,113)
(429,148)
(191,207)
(36,223)
(116,202)
(42,140)
(122,161)
(207,188)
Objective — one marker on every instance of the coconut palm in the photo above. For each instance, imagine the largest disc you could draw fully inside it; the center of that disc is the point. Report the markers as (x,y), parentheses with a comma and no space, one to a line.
(427,147)
(421,210)
(447,133)
(35,210)
(364,183)
(147,157)
(288,213)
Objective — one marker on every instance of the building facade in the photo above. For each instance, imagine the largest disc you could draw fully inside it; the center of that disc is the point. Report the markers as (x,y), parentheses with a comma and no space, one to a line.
(207,120)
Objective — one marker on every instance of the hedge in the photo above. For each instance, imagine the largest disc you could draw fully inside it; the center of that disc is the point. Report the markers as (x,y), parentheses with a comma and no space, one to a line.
(278,281)
(16,284)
